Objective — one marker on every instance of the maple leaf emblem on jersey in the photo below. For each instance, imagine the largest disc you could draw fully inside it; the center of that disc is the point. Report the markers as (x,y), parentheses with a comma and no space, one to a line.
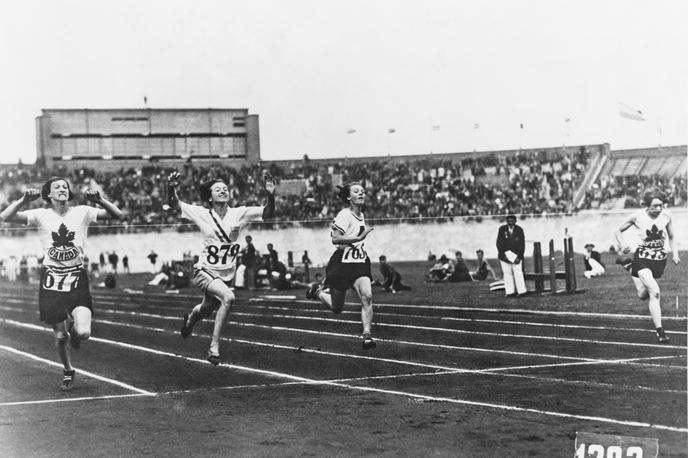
(63,237)
(654,234)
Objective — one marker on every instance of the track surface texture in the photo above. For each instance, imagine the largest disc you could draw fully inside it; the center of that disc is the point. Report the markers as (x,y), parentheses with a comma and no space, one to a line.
(458,371)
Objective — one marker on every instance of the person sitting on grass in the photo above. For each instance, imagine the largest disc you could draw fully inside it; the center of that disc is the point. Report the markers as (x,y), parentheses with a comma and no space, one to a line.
(391,279)
(484,268)
(439,271)
(459,270)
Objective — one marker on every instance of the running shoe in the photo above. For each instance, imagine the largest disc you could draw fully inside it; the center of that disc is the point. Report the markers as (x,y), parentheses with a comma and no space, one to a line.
(661,335)
(213,359)
(368,342)
(67,379)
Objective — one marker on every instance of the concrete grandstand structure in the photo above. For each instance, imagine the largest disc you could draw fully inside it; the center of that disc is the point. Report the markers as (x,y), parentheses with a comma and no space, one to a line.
(114,138)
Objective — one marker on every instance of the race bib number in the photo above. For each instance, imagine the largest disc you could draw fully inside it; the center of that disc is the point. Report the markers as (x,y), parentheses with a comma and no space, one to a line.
(61,283)
(354,254)
(222,255)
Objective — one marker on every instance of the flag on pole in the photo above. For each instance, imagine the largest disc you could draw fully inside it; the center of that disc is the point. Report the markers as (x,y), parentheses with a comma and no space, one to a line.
(628,112)
(391,130)
(145,100)
(351,131)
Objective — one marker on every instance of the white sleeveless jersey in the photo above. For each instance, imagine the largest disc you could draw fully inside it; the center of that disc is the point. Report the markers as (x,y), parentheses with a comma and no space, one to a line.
(350,225)
(652,235)
(63,237)
(220,235)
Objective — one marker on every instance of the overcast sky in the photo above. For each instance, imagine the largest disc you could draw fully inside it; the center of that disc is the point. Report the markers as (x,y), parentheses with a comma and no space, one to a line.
(314,70)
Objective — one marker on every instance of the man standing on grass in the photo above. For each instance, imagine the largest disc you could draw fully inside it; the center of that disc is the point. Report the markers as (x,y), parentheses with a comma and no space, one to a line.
(511,246)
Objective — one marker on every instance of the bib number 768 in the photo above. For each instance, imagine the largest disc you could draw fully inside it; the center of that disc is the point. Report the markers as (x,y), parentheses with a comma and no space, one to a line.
(61,282)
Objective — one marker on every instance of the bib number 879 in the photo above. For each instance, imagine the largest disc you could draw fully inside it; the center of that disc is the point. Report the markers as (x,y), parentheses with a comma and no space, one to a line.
(215,253)
(612,451)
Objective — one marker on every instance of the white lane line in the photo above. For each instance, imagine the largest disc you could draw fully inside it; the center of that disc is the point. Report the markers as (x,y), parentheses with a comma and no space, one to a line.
(462,331)
(497,371)
(472,320)
(306,380)
(348,336)
(87,398)
(80,371)
(166,300)
(335,334)
(435,329)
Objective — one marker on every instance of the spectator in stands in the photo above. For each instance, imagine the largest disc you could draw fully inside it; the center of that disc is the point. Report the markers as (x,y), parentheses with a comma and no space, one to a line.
(484,268)
(459,269)
(101,260)
(249,258)
(391,279)
(511,246)
(593,262)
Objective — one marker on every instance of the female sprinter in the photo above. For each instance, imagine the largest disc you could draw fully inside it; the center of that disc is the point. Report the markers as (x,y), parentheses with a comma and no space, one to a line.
(349,266)
(64,299)
(654,227)
(221,227)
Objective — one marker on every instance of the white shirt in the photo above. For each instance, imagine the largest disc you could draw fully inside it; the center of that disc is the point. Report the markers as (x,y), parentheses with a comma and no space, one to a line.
(63,237)
(350,225)
(652,234)
(220,235)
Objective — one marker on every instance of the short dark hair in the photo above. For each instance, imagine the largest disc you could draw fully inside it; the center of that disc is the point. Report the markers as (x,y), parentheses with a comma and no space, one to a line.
(344,191)
(383,258)
(204,188)
(45,189)
(511,216)
(653,193)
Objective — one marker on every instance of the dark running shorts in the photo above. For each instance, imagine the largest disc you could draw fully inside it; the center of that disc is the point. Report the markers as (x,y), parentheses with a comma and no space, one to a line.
(656,266)
(61,291)
(341,276)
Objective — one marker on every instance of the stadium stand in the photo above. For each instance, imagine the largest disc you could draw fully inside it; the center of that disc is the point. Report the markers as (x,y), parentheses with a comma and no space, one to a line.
(411,187)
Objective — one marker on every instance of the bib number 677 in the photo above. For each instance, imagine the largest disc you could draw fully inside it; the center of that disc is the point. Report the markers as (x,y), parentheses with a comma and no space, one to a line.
(61,282)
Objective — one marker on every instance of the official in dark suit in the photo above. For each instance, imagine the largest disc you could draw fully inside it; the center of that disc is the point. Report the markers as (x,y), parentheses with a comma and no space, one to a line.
(511,246)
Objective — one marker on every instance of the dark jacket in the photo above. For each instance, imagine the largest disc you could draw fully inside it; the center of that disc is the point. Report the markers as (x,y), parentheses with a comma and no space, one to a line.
(596,256)
(515,242)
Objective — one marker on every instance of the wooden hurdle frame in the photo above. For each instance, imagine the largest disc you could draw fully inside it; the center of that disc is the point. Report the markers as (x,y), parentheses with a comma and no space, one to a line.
(568,274)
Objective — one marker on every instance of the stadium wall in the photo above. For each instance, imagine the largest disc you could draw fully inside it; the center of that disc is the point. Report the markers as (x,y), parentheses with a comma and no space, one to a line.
(402,242)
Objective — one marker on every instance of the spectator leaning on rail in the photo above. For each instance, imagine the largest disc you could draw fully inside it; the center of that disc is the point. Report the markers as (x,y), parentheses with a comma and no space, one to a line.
(511,246)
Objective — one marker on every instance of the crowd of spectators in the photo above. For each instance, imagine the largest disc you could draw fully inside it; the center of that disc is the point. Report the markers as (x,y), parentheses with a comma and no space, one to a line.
(521,183)
(627,191)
